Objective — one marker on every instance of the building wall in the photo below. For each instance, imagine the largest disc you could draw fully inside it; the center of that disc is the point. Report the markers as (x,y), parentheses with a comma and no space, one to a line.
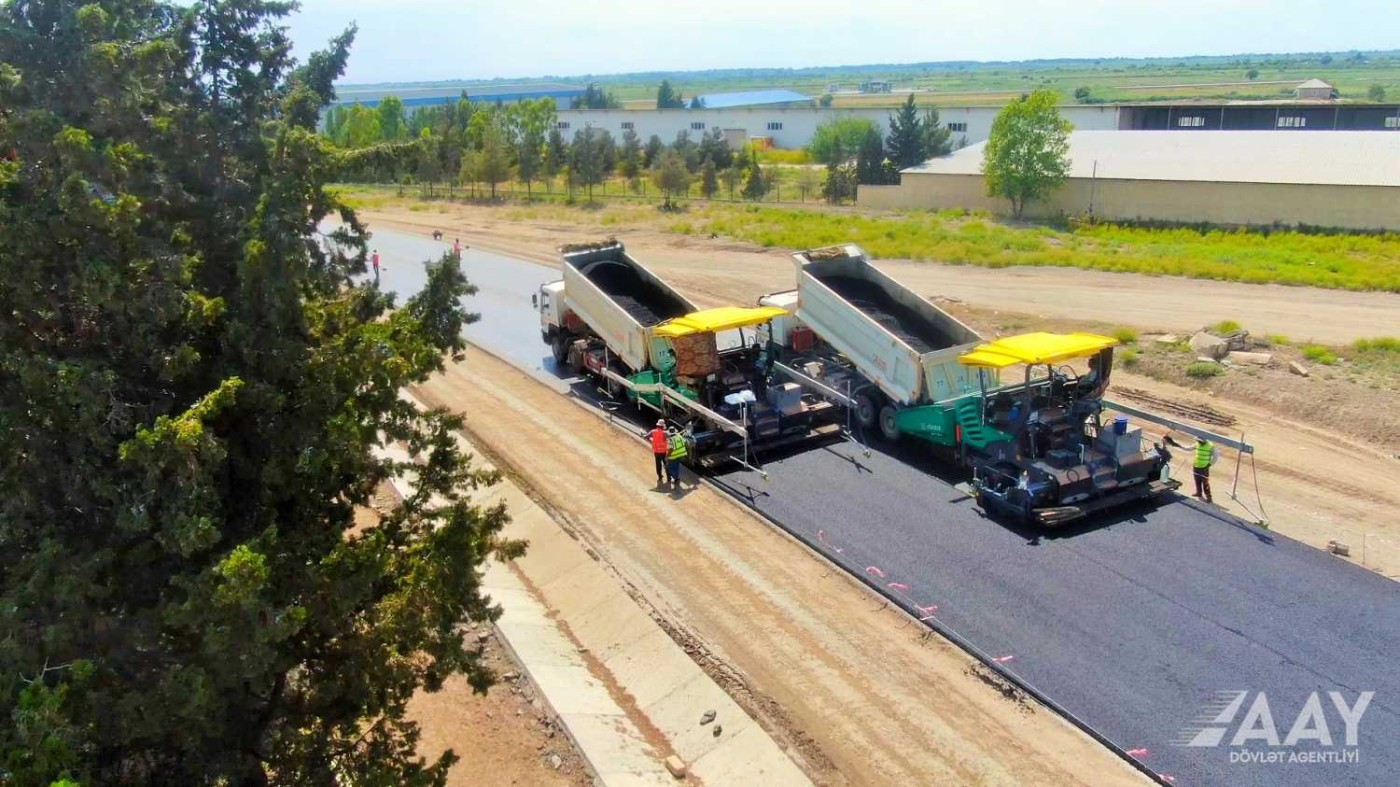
(799,124)
(1349,207)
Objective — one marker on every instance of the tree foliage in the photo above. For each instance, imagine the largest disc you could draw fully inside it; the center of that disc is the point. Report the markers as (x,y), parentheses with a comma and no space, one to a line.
(670,175)
(668,97)
(192,387)
(839,138)
(595,97)
(1376,93)
(1027,153)
(906,138)
(629,158)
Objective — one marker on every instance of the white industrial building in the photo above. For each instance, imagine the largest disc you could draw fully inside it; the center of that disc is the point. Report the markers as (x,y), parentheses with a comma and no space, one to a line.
(794,127)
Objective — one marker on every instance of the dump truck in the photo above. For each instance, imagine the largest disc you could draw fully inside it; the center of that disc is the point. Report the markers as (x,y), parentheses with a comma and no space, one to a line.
(612,320)
(1037,446)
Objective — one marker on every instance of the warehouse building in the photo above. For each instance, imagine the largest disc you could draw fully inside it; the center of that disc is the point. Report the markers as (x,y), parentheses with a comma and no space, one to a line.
(1335,179)
(757,98)
(414,98)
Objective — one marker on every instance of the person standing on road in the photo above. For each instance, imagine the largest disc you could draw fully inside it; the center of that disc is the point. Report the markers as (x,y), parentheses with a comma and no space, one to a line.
(1206,455)
(457,246)
(660,446)
(677,452)
(374,260)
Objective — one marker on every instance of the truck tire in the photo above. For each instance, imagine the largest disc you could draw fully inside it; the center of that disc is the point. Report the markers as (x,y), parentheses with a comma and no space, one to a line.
(889,428)
(867,409)
(559,347)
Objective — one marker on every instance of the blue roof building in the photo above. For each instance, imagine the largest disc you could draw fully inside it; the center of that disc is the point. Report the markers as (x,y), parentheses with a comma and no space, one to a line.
(413,98)
(754,98)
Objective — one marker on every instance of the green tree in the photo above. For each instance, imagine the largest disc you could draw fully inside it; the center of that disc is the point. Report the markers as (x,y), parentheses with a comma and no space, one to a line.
(906,139)
(595,97)
(556,156)
(715,147)
(429,169)
(839,137)
(667,97)
(840,183)
(652,152)
(809,181)
(755,180)
(1252,74)
(629,159)
(872,168)
(670,176)
(825,100)
(491,164)
(586,159)
(534,121)
(1027,153)
(709,180)
(1081,94)
(697,103)
(361,127)
(689,150)
(393,124)
(938,140)
(1375,93)
(732,177)
(193,389)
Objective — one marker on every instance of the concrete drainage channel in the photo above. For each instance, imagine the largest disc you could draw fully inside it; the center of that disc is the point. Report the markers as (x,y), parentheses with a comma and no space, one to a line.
(993,672)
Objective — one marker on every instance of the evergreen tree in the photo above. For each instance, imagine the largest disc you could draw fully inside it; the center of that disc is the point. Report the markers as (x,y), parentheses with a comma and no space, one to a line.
(697,103)
(595,97)
(556,156)
(755,181)
(193,389)
(906,142)
(938,140)
(586,159)
(630,156)
(690,152)
(871,166)
(709,181)
(652,152)
(715,147)
(670,176)
(667,97)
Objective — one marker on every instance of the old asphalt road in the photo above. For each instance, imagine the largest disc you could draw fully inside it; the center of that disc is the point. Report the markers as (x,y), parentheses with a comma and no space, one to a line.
(1138,623)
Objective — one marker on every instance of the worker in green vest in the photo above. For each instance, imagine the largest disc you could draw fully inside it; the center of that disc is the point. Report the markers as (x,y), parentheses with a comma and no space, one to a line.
(673,458)
(1206,454)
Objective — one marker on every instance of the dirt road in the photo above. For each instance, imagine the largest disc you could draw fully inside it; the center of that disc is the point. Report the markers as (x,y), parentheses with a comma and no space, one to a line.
(856,690)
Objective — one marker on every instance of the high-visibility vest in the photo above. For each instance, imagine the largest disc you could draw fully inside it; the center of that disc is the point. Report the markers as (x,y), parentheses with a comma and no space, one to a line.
(659,443)
(678,449)
(1205,454)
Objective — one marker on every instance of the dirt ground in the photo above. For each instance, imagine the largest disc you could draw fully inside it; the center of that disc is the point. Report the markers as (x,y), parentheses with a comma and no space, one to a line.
(504,737)
(854,689)
(1327,456)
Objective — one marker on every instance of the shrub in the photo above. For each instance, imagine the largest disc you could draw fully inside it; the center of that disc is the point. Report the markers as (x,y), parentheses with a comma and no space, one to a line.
(1382,345)
(1201,370)
(1125,335)
(1226,326)
(1319,354)
(1130,358)
(1277,338)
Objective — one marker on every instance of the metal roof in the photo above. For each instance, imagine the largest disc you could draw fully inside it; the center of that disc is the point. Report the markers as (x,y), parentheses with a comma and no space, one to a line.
(753,97)
(1315,83)
(372,95)
(1343,158)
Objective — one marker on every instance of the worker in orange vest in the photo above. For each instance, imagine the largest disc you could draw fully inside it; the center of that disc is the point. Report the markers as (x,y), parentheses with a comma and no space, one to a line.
(660,447)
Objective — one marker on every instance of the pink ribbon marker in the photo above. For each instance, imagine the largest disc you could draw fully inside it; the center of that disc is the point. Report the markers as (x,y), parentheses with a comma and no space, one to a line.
(898,586)
(1003,659)
(1137,752)
(875,570)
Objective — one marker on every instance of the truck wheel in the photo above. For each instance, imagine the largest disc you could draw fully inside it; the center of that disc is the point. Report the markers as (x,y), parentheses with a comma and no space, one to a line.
(888,427)
(866,411)
(559,346)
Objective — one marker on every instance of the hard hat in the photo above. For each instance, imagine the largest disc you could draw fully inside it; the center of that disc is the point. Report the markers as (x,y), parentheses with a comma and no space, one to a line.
(661,422)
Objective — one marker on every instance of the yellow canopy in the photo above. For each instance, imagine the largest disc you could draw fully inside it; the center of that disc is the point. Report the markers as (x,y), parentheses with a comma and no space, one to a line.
(713,320)
(1036,348)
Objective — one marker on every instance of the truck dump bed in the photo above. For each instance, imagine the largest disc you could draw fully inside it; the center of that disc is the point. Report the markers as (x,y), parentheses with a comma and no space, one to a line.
(618,298)
(896,338)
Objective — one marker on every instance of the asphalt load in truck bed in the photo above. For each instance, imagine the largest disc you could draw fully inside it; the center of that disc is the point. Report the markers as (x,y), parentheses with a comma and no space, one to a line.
(645,302)
(894,317)
(1133,621)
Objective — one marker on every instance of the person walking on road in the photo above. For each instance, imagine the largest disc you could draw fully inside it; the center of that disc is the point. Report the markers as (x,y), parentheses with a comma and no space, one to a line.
(457,246)
(1206,455)
(374,260)
(660,446)
(677,452)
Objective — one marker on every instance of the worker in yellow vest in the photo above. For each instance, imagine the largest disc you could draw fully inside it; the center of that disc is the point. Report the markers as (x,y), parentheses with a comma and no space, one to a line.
(1206,455)
(678,451)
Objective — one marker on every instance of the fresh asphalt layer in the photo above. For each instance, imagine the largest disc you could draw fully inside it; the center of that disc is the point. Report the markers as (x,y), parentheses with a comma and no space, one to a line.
(1135,622)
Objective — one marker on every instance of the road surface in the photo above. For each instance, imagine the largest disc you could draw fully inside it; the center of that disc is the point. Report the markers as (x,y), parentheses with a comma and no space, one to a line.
(1134,623)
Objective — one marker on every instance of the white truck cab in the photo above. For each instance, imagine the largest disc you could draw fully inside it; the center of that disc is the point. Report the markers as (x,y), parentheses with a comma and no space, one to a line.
(549,302)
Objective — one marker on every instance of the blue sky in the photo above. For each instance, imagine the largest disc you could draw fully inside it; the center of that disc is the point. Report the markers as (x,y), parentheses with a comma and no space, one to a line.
(414,40)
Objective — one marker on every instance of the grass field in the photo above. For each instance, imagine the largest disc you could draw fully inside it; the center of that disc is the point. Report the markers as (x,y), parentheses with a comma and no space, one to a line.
(992,83)
(1348,262)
